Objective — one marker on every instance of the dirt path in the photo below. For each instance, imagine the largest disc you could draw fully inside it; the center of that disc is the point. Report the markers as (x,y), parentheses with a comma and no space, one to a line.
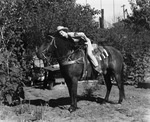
(51,106)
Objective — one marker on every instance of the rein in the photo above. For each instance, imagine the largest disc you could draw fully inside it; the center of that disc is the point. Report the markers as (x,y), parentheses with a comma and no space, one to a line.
(69,60)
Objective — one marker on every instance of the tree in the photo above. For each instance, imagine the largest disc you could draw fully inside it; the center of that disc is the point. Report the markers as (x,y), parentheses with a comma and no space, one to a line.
(140,19)
(138,28)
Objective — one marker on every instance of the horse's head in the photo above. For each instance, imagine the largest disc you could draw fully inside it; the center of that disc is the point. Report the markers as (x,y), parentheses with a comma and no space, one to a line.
(57,46)
(45,49)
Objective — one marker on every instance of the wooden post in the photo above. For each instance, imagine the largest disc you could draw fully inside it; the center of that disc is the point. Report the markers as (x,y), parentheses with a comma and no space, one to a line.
(101,19)
(123,6)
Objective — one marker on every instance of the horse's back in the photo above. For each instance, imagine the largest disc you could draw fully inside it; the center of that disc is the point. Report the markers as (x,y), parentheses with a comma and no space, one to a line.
(114,53)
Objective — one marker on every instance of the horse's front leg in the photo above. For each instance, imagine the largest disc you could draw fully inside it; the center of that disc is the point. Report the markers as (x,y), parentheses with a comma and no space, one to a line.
(72,87)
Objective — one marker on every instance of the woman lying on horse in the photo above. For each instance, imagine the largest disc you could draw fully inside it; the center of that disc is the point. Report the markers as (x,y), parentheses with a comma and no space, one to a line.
(76,36)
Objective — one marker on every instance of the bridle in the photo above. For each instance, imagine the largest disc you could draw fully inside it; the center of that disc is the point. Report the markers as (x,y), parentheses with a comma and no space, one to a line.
(68,56)
(51,43)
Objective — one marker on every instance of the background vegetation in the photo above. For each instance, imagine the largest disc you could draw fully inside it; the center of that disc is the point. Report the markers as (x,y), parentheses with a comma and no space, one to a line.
(24,24)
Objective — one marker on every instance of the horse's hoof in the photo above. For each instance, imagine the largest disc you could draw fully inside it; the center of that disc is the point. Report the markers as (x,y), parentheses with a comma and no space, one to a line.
(104,101)
(120,101)
(72,109)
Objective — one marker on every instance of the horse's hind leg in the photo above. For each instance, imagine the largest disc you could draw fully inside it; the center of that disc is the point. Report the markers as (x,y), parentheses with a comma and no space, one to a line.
(120,84)
(108,84)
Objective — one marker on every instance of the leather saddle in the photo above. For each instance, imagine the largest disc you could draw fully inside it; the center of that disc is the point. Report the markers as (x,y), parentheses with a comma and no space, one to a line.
(101,55)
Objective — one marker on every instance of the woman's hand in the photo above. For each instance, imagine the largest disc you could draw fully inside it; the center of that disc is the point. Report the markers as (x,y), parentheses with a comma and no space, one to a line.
(63,33)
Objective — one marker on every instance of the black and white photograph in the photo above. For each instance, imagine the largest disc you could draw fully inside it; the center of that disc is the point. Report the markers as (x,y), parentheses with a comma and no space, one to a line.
(74,60)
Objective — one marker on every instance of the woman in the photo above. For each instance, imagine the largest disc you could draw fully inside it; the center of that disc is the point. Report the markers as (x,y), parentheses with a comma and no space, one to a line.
(63,31)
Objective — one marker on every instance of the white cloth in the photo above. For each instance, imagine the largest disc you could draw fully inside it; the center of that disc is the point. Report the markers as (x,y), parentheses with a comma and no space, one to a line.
(89,46)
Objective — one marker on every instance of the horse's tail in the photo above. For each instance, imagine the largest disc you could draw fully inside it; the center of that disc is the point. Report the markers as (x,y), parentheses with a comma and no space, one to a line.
(124,70)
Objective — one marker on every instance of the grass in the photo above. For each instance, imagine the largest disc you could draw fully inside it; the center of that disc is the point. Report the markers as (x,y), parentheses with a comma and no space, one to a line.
(22,113)
(91,87)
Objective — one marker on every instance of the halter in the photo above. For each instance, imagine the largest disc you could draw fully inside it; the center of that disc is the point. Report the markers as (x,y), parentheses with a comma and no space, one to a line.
(53,41)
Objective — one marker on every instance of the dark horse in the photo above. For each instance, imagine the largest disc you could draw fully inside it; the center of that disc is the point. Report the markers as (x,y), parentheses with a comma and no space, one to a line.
(71,61)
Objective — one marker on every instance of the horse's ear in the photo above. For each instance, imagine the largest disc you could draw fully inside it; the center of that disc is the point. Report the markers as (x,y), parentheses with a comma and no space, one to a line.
(47,34)
(50,37)
(51,33)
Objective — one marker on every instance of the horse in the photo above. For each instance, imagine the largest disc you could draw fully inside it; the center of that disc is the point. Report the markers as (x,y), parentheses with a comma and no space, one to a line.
(71,59)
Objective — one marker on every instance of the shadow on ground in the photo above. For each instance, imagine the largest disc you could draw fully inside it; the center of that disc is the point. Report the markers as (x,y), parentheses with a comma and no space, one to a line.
(63,101)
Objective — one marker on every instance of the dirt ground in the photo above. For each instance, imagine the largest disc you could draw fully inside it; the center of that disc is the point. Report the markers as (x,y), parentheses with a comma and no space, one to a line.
(52,106)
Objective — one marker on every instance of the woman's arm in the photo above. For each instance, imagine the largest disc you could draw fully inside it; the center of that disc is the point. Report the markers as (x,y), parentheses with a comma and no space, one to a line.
(77,35)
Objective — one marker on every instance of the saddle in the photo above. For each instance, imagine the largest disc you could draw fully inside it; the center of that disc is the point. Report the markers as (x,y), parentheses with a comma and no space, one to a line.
(101,55)
(99,52)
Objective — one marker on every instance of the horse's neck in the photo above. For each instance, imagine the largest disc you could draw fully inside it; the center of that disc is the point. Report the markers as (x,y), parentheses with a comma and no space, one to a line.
(64,45)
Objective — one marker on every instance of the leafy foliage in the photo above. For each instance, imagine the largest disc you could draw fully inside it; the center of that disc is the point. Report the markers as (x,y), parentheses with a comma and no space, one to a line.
(25,23)
(137,35)
(140,19)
